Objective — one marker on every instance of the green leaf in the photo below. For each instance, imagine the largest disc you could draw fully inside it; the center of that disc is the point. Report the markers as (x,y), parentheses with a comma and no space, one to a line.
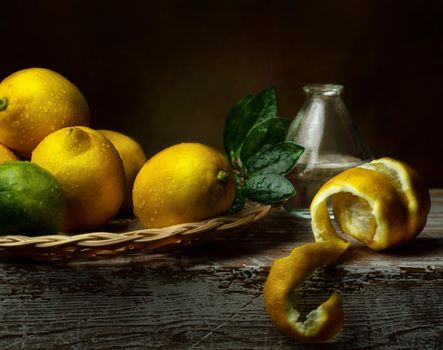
(275,159)
(265,104)
(235,116)
(268,132)
(268,188)
(242,117)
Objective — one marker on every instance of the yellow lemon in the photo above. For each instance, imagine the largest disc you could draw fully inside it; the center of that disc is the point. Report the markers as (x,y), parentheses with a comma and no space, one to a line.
(90,171)
(183,183)
(383,204)
(133,159)
(290,272)
(35,102)
(6,154)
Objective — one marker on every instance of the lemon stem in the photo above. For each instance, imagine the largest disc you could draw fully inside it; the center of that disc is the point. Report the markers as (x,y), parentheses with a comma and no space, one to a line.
(3,103)
(222,176)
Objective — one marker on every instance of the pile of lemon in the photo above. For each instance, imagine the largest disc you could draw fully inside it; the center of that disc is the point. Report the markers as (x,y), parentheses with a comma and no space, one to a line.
(57,173)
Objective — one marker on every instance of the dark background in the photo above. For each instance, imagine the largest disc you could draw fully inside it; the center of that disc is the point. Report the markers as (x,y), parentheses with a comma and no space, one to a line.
(168,71)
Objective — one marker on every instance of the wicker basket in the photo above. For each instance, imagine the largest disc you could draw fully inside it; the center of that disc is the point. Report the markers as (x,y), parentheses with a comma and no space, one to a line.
(127,236)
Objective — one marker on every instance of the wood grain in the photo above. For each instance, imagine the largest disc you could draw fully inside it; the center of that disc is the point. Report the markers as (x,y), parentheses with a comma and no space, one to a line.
(210,297)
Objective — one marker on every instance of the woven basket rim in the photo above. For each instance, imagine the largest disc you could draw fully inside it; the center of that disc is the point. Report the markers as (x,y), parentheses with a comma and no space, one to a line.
(106,243)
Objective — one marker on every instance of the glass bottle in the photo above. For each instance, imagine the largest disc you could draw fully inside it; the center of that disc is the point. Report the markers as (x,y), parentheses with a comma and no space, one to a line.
(332,144)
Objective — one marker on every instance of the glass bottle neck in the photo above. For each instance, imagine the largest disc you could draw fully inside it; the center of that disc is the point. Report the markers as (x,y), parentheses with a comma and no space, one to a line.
(323,90)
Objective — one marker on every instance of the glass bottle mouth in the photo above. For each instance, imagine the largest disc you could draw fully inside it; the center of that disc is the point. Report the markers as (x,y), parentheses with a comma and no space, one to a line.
(323,89)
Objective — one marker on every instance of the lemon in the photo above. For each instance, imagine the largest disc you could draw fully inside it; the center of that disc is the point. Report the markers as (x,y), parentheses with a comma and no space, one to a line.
(90,171)
(290,272)
(6,154)
(183,183)
(133,159)
(383,204)
(31,200)
(35,102)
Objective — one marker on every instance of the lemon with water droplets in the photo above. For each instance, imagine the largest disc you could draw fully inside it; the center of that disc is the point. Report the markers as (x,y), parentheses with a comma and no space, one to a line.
(187,182)
(6,154)
(90,171)
(35,102)
(133,158)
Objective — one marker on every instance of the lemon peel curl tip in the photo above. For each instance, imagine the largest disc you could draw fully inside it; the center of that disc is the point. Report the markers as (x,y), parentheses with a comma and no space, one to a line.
(292,271)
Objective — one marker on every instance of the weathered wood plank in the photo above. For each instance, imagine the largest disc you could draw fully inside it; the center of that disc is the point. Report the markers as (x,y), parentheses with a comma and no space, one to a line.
(175,308)
(210,297)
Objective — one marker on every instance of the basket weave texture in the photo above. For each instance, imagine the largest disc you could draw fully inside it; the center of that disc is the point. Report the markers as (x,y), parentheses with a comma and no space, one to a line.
(128,235)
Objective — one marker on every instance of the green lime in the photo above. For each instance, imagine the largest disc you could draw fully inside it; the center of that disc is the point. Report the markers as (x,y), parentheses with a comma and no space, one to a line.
(31,200)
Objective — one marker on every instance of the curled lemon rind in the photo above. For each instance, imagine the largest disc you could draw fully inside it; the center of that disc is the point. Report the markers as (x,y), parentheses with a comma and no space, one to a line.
(383,204)
(290,272)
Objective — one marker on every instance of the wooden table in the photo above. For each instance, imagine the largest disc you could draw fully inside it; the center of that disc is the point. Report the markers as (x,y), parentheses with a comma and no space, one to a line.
(210,297)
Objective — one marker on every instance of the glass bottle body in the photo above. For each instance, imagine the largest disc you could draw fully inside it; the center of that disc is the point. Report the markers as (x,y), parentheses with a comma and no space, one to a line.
(332,144)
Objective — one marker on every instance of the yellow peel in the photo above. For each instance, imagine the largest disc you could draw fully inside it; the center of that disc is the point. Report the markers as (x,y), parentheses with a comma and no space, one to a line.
(290,272)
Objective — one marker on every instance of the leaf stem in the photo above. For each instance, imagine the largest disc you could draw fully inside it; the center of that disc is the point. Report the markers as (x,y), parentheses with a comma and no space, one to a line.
(3,103)
(222,176)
